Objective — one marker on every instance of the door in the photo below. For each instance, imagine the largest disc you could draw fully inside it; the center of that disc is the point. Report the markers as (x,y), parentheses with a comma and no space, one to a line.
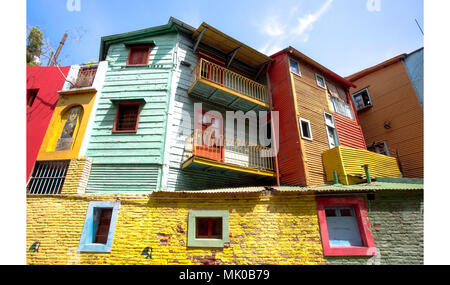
(210,139)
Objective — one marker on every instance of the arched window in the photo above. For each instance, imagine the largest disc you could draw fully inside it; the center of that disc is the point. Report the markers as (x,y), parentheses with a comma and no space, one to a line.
(70,122)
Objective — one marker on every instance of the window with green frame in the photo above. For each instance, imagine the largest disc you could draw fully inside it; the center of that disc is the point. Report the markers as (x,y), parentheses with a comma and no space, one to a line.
(208,228)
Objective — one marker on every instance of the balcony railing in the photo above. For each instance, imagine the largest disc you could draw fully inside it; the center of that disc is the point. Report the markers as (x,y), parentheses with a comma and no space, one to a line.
(85,77)
(349,164)
(231,151)
(230,80)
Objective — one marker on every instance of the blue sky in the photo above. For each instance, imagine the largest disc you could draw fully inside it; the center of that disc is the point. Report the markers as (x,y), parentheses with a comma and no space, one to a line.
(343,35)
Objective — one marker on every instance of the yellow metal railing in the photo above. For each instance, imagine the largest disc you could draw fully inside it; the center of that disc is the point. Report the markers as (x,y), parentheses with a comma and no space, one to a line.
(229,151)
(228,79)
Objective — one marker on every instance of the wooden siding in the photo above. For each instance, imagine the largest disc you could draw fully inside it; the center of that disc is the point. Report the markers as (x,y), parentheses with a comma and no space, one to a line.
(394,99)
(349,164)
(148,82)
(174,178)
(290,160)
(312,102)
(349,132)
(122,178)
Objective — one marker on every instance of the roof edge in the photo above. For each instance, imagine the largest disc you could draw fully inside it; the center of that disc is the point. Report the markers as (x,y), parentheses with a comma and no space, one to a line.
(374,68)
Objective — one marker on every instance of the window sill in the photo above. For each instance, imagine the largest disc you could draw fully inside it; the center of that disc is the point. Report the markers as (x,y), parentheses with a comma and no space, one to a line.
(137,65)
(121,132)
(350,251)
(94,247)
(206,242)
(364,109)
(88,89)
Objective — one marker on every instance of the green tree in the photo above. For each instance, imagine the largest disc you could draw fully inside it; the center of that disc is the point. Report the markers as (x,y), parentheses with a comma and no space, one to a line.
(34,46)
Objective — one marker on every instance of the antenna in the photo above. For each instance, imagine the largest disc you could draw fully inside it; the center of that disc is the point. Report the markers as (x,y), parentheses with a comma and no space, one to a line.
(419,26)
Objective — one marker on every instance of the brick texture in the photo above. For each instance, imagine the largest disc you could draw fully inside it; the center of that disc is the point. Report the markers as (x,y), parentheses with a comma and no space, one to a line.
(396,220)
(264,229)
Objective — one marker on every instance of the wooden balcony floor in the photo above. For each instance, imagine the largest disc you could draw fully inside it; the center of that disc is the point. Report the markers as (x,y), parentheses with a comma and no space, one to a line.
(205,164)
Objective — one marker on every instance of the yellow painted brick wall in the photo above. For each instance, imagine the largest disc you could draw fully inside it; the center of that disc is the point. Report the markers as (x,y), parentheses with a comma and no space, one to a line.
(264,229)
(73,176)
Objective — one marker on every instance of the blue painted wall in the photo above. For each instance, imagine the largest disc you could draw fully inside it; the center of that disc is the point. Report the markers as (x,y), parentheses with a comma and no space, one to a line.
(414,65)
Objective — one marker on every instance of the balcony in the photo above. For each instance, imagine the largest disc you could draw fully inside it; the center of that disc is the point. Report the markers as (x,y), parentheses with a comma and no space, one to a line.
(228,154)
(85,78)
(349,164)
(219,85)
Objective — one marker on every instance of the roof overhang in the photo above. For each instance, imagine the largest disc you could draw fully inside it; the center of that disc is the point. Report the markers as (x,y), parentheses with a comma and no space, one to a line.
(174,25)
(325,71)
(374,68)
(229,46)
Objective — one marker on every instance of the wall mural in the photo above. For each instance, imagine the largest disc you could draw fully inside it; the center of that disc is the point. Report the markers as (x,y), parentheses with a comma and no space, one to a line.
(66,139)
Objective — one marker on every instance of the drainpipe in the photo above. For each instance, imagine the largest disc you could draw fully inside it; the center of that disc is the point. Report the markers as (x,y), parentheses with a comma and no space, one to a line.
(335,177)
(366,169)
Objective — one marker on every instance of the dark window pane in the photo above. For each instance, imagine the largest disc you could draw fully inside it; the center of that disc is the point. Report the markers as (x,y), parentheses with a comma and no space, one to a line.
(202,227)
(31,95)
(330,212)
(346,213)
(209,228)
(138,55)
(127,117)
(305,129)
(104,222)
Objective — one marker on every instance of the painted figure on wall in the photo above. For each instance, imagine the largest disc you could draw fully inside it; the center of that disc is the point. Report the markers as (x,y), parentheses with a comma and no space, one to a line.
(66,139)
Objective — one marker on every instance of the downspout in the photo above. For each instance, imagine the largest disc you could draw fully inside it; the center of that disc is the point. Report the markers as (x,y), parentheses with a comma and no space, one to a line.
(275,146)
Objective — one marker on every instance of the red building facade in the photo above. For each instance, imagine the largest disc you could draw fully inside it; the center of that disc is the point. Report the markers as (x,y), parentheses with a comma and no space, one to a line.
(42,86)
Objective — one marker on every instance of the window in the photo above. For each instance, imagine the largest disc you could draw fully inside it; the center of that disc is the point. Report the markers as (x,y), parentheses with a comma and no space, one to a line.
(362,100)
(86,76)
(379,147)
(72,120)
(294,66)
(305,129)
(331,130)
(207,228)
(344,227)
(99,227)
(138,55)
(48,177)
(127,117)
(31,95)
(341,107)
(321,81)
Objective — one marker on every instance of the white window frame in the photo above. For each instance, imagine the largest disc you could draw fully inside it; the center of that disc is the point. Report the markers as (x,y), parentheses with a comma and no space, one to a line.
(336,142)
(298,64)
(300,120)
(323,79)
(356,94)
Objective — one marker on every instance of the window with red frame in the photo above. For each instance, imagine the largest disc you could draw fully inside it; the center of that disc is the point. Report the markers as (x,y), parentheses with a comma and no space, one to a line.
(31,95)
(138,55)
(103,216)
(345,227)
(127,117)
(209,228)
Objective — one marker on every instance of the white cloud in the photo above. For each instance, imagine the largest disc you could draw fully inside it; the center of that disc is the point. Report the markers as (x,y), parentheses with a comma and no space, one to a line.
(280,35)
(305,23)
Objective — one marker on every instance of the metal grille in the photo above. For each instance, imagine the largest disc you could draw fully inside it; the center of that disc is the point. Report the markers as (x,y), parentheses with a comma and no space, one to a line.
(127,117)
(48,177)
(85,77)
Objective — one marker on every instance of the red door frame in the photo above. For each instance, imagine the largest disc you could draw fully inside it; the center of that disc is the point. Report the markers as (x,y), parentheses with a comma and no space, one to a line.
(205,150)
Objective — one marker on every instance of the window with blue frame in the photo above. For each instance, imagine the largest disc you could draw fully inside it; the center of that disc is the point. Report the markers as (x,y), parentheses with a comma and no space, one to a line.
(99,226)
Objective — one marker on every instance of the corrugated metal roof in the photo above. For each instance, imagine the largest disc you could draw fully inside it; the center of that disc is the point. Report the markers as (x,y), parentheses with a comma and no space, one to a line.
(382,184)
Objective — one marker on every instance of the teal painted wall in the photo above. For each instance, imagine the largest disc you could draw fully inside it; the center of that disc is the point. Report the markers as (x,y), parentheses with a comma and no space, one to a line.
(396,221)
(141,152)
